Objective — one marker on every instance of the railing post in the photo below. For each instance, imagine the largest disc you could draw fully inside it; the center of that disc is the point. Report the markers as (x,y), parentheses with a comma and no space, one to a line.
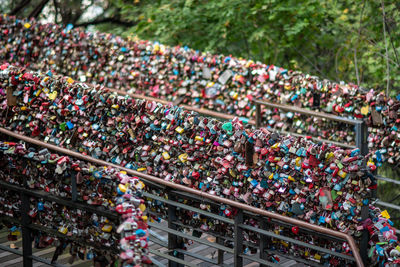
(220,256)
(258,115)
(361,143)
(73,186)
(26,231)
(173,240)
(361,137)
(365,236)
(238,239)
(263,241)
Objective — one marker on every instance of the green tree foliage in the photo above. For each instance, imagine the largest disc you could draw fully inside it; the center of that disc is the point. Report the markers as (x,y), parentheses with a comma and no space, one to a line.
(321,37)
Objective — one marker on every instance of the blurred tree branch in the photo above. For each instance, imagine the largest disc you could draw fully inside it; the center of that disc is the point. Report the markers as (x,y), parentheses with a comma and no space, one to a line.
(106,20)
(19,7)
(38,9)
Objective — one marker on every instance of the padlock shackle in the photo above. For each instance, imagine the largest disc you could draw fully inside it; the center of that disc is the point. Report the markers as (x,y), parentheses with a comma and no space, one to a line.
(199,193)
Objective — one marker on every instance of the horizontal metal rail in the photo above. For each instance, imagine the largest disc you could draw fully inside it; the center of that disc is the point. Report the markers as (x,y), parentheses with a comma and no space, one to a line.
(381,178)
(360,126)
(199,240)
(250,214)
(33,257)
(218,115)
(41,194)
(316,139)
(156,262)
(183,206)
(203,111)
(44,229)
(295,241)
(387,205)
(307,112)
(205,195)
(157,241)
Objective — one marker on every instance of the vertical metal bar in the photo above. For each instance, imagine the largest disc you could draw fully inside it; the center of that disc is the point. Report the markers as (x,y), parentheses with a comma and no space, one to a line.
(258,115)
(364,236)
(220,259)
(263,241)
(173,241)
(238,239)
(73,185)
(26,231)
(361,142)
(361,137)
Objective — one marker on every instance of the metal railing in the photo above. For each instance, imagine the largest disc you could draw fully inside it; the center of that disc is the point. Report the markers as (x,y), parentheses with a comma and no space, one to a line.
(239,227)
(218,115)
(361,132)
(28,227)
(360,127)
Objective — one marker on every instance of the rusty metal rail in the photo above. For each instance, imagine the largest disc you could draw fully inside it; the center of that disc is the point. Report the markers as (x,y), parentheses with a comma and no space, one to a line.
(198,193)
(361,128)
(218,115)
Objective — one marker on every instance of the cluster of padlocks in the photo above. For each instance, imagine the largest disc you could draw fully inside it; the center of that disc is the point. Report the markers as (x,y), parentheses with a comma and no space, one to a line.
(216,82)
(118,239)
(315,182)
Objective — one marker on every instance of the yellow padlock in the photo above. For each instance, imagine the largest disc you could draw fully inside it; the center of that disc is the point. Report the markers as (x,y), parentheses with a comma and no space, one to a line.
(53,95)
(107,228)
(199,138)
(142,207)
(183,157)
(63,230)
(179,129)
(329,156)
(122,188)
(298,161)
(342,174)
(166,156)
(276,145)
